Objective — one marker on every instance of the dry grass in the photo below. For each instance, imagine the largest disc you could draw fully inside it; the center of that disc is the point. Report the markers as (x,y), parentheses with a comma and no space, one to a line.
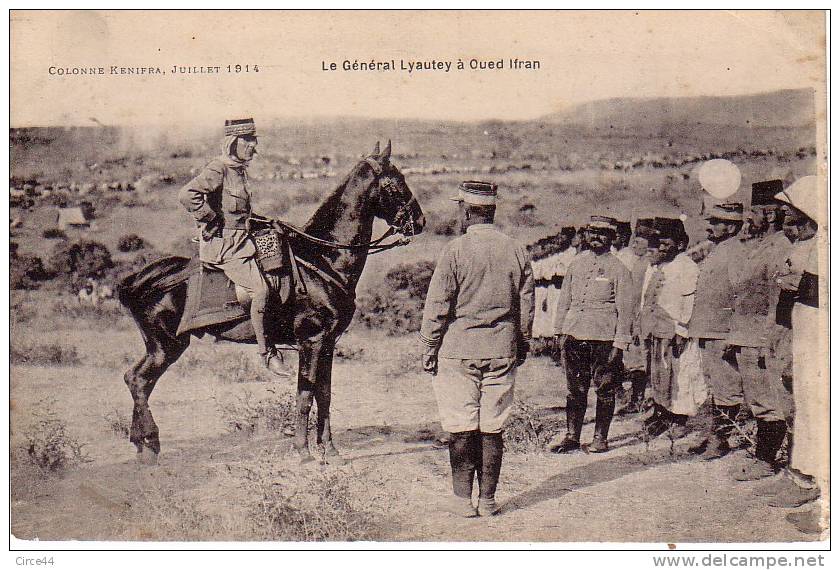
(48,446)
(528,431)
(30,353)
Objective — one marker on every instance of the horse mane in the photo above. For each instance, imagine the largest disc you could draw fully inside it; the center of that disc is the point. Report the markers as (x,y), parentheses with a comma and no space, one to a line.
(322,222)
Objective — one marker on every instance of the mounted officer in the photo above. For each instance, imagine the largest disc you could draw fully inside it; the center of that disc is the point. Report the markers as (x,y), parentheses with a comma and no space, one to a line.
(219,200)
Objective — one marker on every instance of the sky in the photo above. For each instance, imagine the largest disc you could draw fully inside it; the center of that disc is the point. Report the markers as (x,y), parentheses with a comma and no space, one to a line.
(583,56)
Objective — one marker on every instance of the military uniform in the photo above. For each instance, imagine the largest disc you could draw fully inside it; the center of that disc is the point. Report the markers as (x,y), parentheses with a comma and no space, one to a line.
(477,323)
(594,311)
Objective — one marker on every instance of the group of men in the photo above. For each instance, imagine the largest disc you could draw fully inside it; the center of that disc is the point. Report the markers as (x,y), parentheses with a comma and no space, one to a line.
(702,330)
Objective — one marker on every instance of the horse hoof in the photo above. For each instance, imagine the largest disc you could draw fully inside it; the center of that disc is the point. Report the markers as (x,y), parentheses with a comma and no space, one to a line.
(147,456)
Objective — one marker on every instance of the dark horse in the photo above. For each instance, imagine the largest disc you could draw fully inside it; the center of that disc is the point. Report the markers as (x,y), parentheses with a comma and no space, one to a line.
(331,251)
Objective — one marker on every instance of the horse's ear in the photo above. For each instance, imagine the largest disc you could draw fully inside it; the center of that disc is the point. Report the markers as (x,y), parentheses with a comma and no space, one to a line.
(386,154)
(376,149)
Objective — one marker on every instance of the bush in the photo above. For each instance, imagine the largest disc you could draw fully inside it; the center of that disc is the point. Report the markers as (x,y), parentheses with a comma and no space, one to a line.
(291,505)
(130,242)
(246,414)
(529,432)
(48,446)
(79,260)
(118,423)
(54,233)
(25,270)
(45,354)
(396,306)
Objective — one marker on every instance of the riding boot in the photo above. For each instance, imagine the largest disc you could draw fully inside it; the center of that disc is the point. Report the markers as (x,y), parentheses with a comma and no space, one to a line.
(604,409)
(269,356)
(769,439)
(492,449)
(574,425)
(462,458)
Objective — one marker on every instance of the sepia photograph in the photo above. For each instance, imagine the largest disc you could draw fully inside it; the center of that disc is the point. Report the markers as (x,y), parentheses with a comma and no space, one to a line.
(419,277)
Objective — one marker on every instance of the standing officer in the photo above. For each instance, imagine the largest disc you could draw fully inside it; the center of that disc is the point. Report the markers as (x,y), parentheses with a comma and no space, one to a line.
(592,323)
(752,271)
(710,326)
(476,327)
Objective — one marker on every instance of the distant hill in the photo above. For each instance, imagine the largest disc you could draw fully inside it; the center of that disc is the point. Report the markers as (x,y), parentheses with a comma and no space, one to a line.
(788,108)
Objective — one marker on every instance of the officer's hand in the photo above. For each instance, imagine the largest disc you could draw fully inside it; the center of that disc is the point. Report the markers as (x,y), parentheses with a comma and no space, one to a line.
(430,364)
(678,344)
(560,341)
(212,229)
(615,356)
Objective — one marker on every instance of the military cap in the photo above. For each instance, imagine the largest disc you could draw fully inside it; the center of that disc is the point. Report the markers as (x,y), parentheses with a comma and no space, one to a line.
(670,228)
(624,228)
(477,193)
(730,212)
(603,223)
(240,127)
(645,228)
(764,193)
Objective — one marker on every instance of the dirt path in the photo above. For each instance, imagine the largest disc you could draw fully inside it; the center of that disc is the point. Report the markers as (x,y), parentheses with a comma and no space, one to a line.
(385,412)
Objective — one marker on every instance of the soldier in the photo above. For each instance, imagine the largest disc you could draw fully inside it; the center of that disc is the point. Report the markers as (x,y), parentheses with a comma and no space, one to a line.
(667,304)
(753,269)
(592,325)
(808,472)
(219,200)
(622,248)
(710,324)
(637,259)
(476,328)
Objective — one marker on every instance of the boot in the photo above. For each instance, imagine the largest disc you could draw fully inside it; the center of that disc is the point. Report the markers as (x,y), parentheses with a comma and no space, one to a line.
(463,460)
(574,425)
(638,382)
(604,409)
(657,423)
(492,450)
(273,362)
(769,439)
(723,424)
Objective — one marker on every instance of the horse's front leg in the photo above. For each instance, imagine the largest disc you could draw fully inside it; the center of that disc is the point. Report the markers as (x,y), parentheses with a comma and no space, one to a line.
(307,377)
(323,396)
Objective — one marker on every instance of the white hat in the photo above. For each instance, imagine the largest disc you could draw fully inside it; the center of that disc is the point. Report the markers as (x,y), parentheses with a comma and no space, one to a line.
(804,196)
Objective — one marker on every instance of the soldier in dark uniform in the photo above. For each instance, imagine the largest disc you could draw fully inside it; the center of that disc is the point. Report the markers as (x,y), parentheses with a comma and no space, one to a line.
(219,200)
(592,325)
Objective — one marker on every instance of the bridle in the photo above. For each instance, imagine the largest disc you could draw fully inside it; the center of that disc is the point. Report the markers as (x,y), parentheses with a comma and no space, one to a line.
(402,222)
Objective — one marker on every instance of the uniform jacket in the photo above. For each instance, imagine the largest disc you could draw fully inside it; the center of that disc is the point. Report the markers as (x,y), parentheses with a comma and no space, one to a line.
(753,269)
(480,302)
(596,300)
(715,295)
(218,190)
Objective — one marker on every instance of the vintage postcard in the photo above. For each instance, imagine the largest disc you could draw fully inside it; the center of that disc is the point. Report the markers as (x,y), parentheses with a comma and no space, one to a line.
(419,277)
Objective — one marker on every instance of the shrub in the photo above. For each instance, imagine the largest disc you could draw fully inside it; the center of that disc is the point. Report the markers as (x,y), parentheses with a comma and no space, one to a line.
(48,446)
(529,432)
(44,354)
(80,259)
(118,423)
(396,306)
(54,233)
(291,505)
(130,242)
(25,271)
(246,414)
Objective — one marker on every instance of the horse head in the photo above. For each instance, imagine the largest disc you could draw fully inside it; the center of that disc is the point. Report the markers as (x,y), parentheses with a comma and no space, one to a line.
(393,200)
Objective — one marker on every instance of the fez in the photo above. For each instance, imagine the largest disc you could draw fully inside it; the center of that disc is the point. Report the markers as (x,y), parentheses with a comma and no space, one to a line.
(240,127)
(764,193)
(731,212)
(477,193)
(603,223)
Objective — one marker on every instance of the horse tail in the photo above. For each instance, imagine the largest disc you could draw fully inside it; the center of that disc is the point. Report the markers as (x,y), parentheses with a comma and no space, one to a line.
(157,277)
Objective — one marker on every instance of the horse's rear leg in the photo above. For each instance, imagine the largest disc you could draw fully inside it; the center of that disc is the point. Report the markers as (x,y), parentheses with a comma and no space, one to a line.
(141,380)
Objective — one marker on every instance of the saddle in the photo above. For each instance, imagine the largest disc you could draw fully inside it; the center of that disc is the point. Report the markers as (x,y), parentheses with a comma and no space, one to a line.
(213,299)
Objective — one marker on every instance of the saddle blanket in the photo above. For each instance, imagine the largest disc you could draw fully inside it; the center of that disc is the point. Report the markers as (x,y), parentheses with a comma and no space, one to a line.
(211,300)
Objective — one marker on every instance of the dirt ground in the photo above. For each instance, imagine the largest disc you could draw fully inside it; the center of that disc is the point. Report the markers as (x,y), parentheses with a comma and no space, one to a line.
(384,416)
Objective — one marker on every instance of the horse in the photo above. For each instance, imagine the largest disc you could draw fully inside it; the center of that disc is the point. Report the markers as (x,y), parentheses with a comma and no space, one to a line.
(330,250)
